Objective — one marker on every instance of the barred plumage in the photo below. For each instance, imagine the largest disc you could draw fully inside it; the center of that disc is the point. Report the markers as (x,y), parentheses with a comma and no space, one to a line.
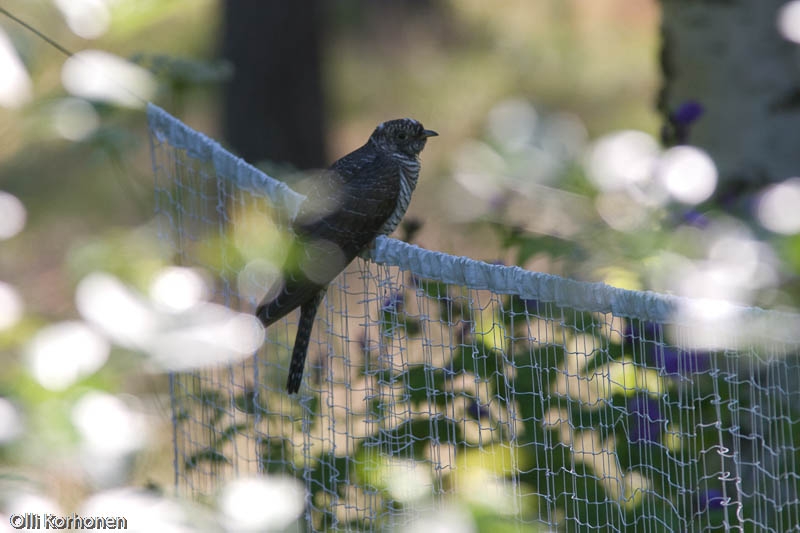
(408,182)
(362,195)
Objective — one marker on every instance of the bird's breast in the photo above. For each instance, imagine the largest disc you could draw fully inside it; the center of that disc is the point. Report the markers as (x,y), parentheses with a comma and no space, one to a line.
(408,182)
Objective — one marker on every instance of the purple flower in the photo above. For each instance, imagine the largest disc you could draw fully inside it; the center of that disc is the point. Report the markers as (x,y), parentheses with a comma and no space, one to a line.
(393,302)
(645,418)
(674,361)
(499,202)
(365,344)
(688,112)
(710,500)
(463,331)
(679,123)
(695,219)
(478,411)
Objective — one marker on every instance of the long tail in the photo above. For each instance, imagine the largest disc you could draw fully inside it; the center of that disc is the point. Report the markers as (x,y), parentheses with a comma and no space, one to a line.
(308,311)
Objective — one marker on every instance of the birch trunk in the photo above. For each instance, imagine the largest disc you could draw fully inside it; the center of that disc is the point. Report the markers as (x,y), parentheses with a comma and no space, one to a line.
(729,56)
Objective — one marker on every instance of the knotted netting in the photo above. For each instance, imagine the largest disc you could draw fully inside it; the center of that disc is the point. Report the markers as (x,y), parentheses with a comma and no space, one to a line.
(490,397)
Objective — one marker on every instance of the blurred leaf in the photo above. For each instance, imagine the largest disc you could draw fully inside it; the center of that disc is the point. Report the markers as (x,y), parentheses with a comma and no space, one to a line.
(249,402)
(276,452)
(476,360)
(529,245)
(424,383)
(206,455)
(789,249)
(231,431)
(489,329)
(182,72)
(433,289)
(134,257)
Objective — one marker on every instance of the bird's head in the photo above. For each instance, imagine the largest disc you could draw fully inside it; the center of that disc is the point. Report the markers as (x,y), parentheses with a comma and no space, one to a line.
(404,137)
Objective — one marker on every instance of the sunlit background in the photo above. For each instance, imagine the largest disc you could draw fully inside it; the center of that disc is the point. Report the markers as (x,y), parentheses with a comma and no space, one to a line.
(549,157)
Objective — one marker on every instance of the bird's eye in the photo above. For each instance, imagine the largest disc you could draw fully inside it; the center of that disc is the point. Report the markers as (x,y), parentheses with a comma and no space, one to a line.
(402,136)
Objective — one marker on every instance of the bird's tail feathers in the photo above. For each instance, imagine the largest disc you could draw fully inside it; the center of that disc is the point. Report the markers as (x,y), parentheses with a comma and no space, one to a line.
(308,311)
(293,293)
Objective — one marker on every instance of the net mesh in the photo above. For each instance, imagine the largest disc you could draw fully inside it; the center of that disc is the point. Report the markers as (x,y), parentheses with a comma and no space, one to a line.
(438,385)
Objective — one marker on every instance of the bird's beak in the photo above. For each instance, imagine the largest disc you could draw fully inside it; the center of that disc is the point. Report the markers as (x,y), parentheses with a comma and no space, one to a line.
(429,133)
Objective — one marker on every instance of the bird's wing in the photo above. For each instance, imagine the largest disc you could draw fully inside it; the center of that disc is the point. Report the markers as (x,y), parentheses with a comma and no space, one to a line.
(296,290)
(342,213)
(351,202)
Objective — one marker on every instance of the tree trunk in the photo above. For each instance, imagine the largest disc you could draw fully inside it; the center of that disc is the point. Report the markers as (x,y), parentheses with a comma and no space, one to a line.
(273,108)
(728,56)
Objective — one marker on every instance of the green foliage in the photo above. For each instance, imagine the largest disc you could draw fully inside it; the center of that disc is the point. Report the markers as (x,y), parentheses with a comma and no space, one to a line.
(249,402)
(134,257)
(645,421)
(706,419)
(528,245)
(180,76)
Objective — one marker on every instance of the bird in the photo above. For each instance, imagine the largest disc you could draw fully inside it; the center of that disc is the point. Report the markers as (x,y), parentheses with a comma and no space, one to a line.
(359,197)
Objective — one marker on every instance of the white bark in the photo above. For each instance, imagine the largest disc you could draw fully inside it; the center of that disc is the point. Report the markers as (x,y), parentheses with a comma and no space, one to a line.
(729,56)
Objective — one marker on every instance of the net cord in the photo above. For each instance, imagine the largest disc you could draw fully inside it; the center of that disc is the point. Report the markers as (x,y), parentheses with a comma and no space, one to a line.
(473,274)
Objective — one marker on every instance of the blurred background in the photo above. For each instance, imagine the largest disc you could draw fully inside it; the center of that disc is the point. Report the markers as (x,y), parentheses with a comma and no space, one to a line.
(594,140)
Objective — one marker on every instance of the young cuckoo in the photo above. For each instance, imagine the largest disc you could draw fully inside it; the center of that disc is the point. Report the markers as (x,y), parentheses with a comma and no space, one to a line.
(362,195)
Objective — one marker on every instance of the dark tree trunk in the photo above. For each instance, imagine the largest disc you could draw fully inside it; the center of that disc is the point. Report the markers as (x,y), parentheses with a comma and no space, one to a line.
(274,107)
